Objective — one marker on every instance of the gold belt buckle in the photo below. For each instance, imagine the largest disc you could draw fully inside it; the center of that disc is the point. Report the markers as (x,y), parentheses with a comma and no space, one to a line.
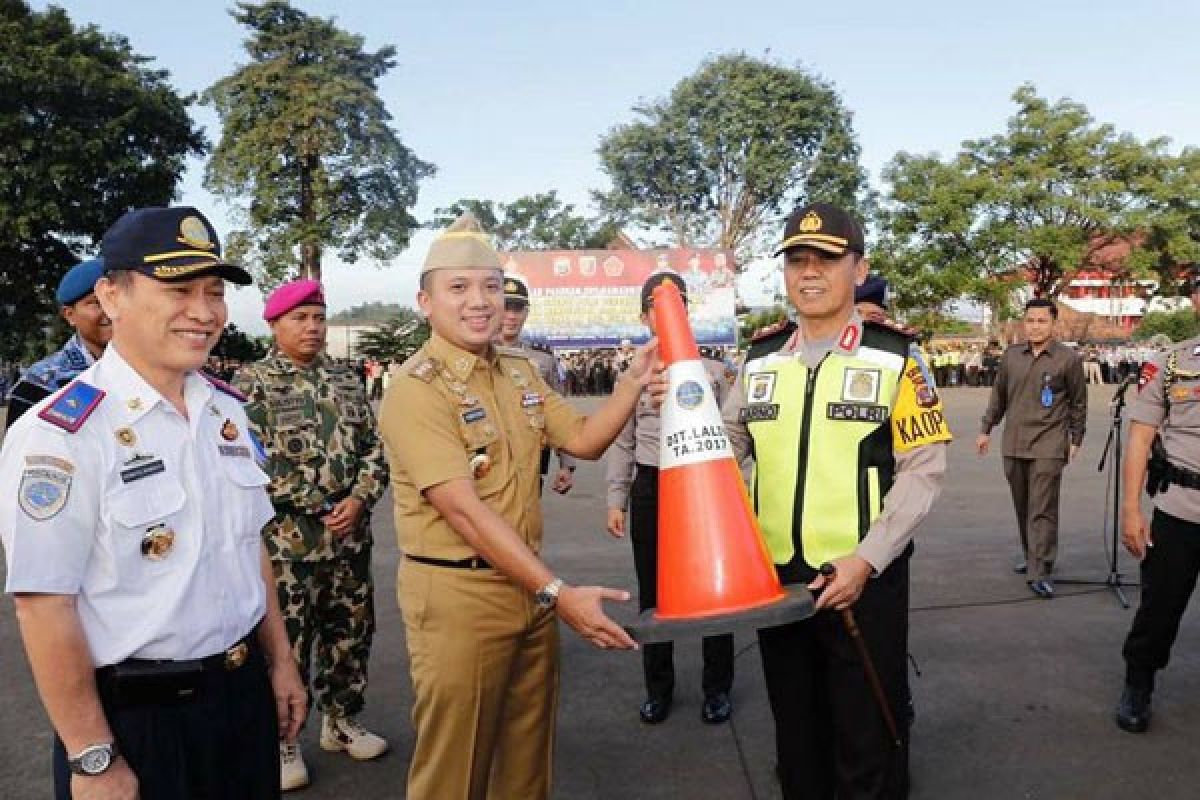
(236,656)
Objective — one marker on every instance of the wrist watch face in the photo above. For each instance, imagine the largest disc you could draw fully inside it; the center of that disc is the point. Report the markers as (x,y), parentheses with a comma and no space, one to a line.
(95,760)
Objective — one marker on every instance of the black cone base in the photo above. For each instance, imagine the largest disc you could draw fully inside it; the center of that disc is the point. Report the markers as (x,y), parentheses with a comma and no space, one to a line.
(796,605)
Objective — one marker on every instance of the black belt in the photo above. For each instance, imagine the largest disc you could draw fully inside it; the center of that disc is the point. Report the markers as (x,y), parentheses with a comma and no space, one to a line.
(474,562)
(140,681)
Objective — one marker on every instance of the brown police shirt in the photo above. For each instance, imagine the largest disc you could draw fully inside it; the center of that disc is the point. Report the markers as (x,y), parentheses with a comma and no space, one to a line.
(450,414)
(1181,428)
(1033,429)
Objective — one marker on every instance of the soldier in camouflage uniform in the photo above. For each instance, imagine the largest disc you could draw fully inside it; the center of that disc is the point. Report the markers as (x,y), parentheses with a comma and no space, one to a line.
(516,311)
(327,470)
(93,329)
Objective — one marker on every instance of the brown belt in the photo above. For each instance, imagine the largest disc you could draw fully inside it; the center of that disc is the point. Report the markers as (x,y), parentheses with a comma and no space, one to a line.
(474,562)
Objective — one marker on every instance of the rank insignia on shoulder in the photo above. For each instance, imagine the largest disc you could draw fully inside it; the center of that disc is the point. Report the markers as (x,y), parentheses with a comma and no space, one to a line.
(223,387)
(893,325)
(73,406)
(424,370)
(782,326)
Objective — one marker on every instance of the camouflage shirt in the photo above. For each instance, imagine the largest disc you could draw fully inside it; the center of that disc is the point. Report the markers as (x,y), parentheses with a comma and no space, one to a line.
(319,436)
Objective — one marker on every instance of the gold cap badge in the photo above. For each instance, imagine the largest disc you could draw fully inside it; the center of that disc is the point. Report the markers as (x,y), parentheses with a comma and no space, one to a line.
(812,222)
(194,233)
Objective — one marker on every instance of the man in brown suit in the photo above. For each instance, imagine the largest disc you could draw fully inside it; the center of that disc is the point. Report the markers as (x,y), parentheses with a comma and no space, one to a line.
(1041,388)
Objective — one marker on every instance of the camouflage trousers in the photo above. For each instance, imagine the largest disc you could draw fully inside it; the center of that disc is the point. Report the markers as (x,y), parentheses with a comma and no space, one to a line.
(329,607)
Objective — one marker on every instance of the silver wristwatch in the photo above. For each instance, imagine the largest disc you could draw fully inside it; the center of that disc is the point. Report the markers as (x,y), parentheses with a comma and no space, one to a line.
(547,596)
(93,759)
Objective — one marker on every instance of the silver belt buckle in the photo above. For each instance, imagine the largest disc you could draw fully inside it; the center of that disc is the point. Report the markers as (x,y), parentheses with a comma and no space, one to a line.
(236,656)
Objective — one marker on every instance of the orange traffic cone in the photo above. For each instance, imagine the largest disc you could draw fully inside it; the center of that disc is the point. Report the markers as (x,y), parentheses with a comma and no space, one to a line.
(714,571)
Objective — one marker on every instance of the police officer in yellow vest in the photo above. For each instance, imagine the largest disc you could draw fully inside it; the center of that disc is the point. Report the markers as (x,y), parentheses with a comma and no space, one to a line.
(464,424)
(849,441)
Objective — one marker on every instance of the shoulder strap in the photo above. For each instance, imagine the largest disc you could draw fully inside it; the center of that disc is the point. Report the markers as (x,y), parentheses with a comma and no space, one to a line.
(223,387)
(73,405)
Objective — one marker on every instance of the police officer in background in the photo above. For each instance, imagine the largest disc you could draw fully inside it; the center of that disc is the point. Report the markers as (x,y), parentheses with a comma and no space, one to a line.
(516,311)
(465,423)
(82,311)
(132,535)
(327,471)
(1167,405)
(632,473)
(849,442)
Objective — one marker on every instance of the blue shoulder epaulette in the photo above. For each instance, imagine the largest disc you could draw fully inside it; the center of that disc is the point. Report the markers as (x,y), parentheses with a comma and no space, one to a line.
(73,405)
(222,386)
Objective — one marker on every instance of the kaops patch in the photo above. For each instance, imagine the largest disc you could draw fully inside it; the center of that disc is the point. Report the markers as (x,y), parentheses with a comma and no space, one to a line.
(45,486)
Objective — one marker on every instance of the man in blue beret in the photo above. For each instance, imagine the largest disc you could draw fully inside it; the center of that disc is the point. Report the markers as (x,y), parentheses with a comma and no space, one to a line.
(93,329)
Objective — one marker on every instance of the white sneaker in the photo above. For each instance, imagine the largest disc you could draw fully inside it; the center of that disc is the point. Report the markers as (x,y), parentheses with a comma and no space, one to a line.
(293,774)
(344,733)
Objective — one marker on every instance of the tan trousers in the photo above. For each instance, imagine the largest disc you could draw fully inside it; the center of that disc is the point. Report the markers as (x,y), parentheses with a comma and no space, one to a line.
(484,665)
(1034,483)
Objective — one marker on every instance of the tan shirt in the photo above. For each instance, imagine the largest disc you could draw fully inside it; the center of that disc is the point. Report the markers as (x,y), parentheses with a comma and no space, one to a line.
(1181,432)
(1032,430)
(547,365)
(448,407)
(638,441)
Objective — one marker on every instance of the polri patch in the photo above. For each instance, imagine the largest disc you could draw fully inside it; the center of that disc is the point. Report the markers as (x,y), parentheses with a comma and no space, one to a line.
(762,386)
(45,486)
(857,412)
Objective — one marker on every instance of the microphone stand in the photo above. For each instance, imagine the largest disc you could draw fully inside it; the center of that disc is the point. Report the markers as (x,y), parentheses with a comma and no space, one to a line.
(1112,500)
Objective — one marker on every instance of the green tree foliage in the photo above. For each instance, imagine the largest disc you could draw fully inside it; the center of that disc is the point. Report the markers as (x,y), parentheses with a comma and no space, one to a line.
(1037,204)
(1178,325)
(752,323)
(734,146)
(87,131)
(366,313)
(396,339)
(533,222)
(236,344)
(307,151)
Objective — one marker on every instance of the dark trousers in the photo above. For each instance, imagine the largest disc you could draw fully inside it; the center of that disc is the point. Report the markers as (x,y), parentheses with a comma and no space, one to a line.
(830,736)
(1168,575)
(220,744)
(658,658)
(1034,484)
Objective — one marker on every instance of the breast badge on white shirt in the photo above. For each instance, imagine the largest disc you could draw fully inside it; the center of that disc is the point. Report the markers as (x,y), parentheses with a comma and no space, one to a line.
(45,486)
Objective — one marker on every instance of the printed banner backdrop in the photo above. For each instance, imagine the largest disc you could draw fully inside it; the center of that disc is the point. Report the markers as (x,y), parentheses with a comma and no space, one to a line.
(592,298)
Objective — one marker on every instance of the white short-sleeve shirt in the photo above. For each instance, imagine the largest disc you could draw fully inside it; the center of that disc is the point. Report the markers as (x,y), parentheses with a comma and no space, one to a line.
(151,519)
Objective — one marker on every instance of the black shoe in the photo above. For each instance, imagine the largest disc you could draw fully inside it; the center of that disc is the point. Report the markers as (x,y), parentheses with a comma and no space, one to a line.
(717,709)
(655,710)
(1133,711)
(1043,588)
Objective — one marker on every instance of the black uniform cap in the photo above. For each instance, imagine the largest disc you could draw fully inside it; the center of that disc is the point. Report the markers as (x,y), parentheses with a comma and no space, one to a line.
(168,244)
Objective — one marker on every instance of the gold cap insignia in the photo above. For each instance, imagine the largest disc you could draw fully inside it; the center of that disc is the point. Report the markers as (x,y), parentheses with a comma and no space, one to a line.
(125,437)
(812,222)
(510,286)
(193,232)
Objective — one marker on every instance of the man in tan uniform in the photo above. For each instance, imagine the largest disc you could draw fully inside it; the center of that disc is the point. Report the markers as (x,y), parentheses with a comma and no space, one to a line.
(1167,405)
(464,424)
(516,311)
(633,486)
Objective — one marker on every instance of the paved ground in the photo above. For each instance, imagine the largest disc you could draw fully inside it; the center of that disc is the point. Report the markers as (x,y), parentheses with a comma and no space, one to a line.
(1014,696)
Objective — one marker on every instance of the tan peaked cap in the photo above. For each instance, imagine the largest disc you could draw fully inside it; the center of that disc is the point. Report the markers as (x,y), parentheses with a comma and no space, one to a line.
(462,246)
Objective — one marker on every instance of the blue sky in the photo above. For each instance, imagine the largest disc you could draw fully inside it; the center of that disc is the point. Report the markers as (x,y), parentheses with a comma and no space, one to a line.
(511,98)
